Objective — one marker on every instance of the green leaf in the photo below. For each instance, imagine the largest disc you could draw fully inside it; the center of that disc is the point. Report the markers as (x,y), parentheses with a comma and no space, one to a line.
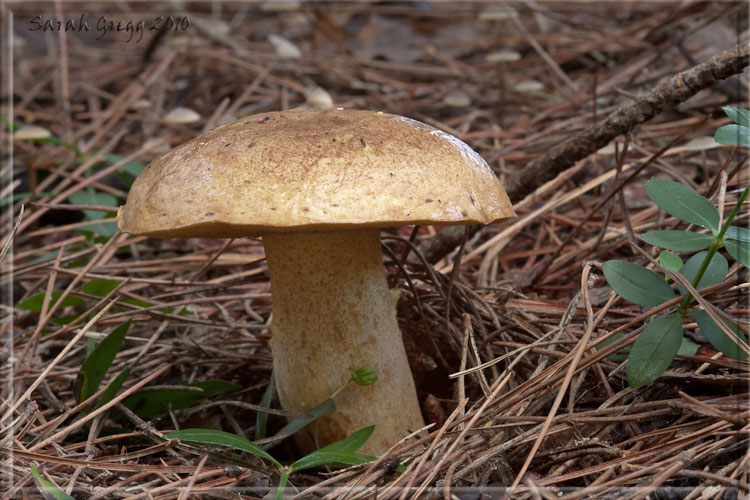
(100,287)
(738,115)
(113,387)
(136,302)
(717,337)
(132,168)
(90,346)
(738,233)
(682,202)
(352,442)
(34,303)
(93,197)
(687,347)
(49,490)
(95,366)
(106,228)
(324,408)
(64,320)
(731,135)
(52,254)
(670,261)
(221,438)
(340,452)
(679,241)
(261,419)
(713,275)
(320,459)
(637,284)
(367,375)
(654,350)
(154,403)
(618,356)
(740,251)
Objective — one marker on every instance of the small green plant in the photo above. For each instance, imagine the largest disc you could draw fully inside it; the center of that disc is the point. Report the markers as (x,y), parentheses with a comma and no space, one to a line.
(103,225)
(145,404)
(154,403)
(737,133)
(96,288)
(342,452)
(48,489)
(656,347)
(97,363)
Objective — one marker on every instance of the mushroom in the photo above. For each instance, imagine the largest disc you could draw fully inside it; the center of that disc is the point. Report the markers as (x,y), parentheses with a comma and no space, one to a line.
(182,116)
(31,132)
(318,185)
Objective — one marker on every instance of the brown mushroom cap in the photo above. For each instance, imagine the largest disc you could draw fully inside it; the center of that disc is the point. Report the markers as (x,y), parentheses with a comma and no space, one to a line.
(313,170)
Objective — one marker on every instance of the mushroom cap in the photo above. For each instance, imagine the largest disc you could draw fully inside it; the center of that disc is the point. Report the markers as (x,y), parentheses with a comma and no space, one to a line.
(181,115)
(308,170)
(30,132)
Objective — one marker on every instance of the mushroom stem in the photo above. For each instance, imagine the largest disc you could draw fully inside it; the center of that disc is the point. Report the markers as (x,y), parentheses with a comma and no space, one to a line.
(332,313)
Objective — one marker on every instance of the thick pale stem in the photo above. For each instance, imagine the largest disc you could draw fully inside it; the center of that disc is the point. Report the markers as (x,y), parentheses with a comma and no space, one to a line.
(332,312)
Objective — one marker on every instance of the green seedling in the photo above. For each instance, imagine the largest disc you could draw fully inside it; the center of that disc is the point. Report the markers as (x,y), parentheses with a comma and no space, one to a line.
(339,453)
(146,404)
(97,363)
(363,376)
(662,339)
